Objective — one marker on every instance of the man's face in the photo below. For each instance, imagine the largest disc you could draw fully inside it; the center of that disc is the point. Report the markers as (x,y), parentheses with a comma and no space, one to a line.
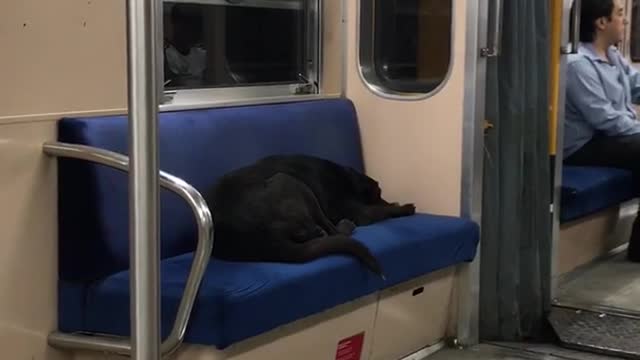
(613,29)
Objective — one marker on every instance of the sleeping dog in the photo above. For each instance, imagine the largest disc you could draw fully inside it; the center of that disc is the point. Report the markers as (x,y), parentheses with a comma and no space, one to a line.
(296,208)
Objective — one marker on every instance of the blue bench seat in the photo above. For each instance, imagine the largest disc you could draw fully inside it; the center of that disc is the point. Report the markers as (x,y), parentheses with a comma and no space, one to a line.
(241,300)
(587,190)
(236,300)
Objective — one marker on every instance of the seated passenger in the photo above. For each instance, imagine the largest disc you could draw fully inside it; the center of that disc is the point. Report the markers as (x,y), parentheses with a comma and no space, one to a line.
(184,60)
(601,124)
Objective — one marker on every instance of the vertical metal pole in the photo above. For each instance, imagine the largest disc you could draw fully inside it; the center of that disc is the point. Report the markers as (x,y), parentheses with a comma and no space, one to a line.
(468,286)
(143,179)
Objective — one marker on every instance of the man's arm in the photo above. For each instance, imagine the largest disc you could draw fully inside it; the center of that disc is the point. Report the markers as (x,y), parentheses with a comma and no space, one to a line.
(585,91)
(634,79)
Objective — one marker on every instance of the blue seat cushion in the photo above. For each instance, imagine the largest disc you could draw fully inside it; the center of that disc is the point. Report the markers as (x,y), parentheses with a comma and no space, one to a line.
(240,300)
(587,190)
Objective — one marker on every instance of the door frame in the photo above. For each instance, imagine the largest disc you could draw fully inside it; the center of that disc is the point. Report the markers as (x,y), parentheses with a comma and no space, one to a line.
(561,10)
(477,22)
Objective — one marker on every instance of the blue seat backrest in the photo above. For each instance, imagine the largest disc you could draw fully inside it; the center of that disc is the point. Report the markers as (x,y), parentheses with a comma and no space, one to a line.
(198,146)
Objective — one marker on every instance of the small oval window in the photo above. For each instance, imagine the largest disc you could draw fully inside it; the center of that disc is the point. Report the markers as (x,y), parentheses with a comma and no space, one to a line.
(405,45)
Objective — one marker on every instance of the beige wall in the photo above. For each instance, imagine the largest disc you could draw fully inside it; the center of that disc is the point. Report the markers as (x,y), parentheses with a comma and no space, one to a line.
(62,57)
(28,241)
(413,147)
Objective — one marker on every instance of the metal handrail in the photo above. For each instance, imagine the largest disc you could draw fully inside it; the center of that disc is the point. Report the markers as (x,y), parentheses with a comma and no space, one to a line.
(574,30)
(202,254)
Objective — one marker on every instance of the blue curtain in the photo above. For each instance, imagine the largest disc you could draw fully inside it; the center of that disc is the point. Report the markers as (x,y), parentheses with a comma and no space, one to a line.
(516,222)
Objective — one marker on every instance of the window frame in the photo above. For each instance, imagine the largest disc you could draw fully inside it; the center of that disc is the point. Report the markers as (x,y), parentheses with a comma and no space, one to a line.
(366,55)
(633,19)
(310,88)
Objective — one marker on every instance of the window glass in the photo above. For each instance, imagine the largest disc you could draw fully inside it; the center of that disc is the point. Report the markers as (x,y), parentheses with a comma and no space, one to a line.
(236,43)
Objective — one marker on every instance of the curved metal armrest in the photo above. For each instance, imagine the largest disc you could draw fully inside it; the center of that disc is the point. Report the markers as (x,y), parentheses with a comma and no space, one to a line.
(201,257)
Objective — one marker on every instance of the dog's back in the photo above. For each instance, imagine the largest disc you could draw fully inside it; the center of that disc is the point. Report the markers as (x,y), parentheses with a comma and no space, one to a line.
(334,185)
(275,210)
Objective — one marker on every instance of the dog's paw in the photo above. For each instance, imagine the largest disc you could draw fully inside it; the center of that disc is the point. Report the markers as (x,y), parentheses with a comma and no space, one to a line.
(408,209)
(346,227)
(319,232)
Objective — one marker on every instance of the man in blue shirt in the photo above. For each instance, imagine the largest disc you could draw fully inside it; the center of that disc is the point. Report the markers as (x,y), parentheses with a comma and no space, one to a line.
(601,125)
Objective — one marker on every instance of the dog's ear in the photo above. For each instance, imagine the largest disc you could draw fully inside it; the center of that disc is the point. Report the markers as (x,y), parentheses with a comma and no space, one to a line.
(365,188)
(355,178)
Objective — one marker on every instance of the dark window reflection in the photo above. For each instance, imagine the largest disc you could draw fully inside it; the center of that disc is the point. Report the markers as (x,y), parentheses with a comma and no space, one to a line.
(635,32)
(222,45)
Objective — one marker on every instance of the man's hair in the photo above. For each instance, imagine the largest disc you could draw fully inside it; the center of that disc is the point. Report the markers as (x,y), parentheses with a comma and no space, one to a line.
(591,11)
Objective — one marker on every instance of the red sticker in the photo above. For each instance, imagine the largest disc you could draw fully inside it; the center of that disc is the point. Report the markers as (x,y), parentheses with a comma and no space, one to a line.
(350,348)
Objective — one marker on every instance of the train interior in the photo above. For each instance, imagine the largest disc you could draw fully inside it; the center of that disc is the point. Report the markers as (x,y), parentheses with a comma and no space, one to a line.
(595,286)
(398,89)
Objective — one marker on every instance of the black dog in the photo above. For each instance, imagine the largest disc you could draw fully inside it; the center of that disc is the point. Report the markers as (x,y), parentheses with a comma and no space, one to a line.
(296,208)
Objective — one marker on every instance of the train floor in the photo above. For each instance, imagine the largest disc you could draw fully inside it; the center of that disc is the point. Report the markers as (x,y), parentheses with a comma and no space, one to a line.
(611,283)
(515,351)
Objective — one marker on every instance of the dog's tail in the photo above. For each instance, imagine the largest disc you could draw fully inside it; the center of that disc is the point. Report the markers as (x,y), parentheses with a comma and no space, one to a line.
(332,245)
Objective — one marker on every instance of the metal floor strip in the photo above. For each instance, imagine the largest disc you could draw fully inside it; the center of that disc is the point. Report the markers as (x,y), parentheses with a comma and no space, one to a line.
(597,332)
(547,350)
(492,351)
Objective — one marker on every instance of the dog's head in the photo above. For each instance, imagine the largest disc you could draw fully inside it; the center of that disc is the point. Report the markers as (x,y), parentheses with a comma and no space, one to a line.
(366,189)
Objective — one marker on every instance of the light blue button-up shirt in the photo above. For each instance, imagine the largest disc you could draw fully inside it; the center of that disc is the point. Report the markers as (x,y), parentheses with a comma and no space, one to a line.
(599,97)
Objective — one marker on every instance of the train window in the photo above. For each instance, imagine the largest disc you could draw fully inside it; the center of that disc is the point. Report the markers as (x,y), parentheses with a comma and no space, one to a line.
(635,31)
(269,45)
(405,45)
